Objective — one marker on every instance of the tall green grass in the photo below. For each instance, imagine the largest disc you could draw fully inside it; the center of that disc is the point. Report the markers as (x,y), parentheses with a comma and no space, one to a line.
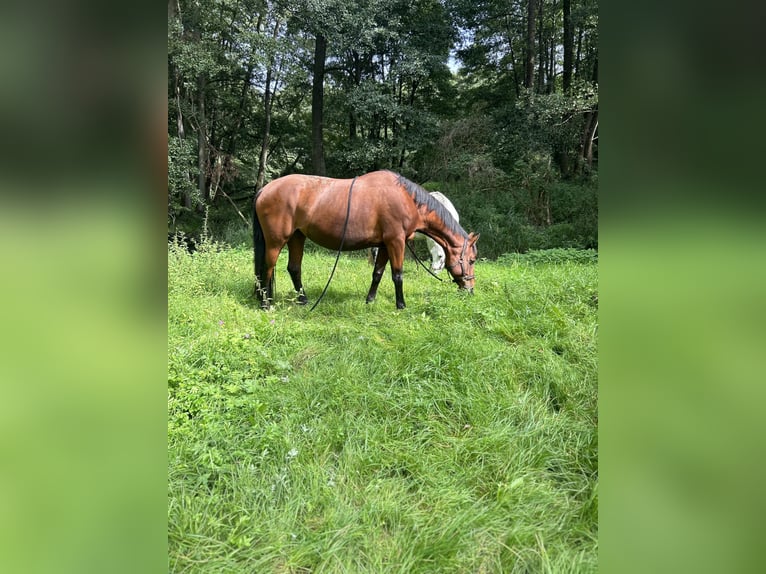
(456,435)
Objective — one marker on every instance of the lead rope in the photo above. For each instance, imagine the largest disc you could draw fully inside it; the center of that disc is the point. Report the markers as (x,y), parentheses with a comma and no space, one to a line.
(423,265)
(342,240)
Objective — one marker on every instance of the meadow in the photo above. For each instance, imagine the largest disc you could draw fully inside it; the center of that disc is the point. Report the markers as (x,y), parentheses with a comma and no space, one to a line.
(456,435)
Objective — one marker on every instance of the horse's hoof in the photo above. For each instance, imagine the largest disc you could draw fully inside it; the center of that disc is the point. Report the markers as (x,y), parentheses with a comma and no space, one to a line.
(400,305)
(302,300)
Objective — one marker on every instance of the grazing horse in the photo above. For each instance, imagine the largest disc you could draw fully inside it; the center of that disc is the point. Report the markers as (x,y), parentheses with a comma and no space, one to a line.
(380,209)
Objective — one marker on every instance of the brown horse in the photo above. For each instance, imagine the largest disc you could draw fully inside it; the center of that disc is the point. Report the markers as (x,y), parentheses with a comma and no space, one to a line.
(383,209)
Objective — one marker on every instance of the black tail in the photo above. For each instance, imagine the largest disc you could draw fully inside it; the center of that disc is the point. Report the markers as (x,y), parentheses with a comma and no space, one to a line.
(259,258)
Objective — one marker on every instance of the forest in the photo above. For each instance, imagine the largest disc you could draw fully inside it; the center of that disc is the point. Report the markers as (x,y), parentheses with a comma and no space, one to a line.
(492,102)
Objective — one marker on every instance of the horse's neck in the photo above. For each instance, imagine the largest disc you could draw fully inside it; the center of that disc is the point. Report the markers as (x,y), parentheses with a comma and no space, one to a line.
(439,231)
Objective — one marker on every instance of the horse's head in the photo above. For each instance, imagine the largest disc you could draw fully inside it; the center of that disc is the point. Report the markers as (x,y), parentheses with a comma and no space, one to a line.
(437,258)
(460,262)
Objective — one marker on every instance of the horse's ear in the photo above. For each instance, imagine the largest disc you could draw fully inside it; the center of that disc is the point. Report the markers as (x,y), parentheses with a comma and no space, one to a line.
(474,237)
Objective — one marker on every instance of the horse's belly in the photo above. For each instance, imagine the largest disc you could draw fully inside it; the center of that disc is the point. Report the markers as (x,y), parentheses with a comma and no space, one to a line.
(351,242)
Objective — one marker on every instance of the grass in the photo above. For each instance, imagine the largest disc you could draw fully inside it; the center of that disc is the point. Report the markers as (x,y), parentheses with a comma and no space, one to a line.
(456,435)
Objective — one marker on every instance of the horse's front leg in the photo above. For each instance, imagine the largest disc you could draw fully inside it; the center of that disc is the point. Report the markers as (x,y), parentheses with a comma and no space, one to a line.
(295,250)
(396,253)
(380,265)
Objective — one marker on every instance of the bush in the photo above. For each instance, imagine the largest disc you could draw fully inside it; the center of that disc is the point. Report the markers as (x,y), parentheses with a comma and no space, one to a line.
(576,203)
(236,234)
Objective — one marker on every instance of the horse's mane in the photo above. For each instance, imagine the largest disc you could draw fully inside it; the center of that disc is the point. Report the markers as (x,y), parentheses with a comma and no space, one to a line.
(422,197)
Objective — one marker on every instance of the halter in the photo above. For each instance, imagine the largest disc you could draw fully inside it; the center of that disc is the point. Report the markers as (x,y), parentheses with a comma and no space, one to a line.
(463,276)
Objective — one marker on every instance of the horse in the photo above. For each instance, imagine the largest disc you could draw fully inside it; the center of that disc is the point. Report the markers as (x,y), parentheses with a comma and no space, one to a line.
(379,209)
(437,253)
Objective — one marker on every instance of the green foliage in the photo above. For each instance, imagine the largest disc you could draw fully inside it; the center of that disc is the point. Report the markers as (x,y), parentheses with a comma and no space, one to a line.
(512,159)
(498,207)
(461,149)
(457,435)
(576,204)
(546,126)
(182,172)
(236,233)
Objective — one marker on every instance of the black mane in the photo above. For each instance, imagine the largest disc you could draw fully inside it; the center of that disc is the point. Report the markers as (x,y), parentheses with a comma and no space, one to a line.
(422,197)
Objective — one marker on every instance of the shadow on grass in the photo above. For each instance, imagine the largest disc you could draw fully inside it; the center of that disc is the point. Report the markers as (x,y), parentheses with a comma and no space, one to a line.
(347,288)
(285,297)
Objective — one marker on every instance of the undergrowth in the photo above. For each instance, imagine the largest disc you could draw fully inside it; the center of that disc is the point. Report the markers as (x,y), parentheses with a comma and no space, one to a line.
(456,435)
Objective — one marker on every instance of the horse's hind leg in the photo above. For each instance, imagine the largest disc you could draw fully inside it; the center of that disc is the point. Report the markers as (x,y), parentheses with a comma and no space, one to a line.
(380,265)
(266,291)
(295,251)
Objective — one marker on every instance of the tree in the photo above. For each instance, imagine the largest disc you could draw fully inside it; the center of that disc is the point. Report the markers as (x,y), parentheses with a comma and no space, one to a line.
(568,46)
(317,106)
(272,73)
(529,57)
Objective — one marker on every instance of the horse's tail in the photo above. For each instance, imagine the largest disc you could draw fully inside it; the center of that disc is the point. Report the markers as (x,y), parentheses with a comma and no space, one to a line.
(259,256)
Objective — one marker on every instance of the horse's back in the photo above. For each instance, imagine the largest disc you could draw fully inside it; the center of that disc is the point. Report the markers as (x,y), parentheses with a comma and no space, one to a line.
(307,186)
(288,186)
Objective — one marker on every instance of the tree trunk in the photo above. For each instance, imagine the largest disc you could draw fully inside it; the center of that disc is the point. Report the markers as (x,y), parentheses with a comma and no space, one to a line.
(561,157)
(543,55)
(579,53)
(552,66)
(414,87)
(357,78)
(529,56)
(202,143)
(509,33)
(241,110)
(267,103)
(586,145)
(185,196)
(263,156)
(351,125)
(317,105)
(594,77)
(568,47)
(173,14)
(548,220)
